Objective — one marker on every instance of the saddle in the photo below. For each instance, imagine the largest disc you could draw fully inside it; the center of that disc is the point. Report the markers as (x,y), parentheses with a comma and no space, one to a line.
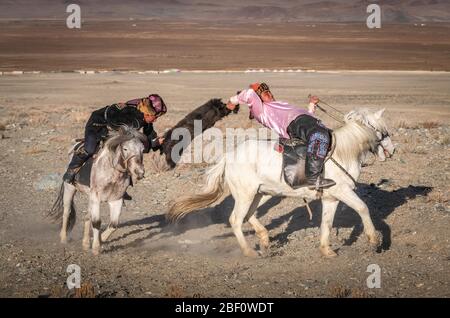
(83,175)
(294,159)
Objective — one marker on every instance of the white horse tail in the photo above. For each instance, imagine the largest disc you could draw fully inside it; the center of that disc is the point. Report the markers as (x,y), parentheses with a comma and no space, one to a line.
(56,212)
(214,190)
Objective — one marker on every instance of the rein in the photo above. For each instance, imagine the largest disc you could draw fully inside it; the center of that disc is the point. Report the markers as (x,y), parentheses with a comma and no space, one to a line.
(327,113)
(125,161)
(383,136)
(330,157)
(343,169)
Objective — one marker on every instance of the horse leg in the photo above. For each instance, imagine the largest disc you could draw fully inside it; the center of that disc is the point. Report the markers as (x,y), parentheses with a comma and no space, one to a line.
(241,208)
(328,211)
(94,209)
(69,192)
(349,197)
(87,233)
(115,207)
(260,230)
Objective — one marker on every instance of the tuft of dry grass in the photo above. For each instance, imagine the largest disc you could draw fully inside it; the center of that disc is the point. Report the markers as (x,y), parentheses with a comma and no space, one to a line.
(404,124)
(358,293)
(175,291)
(430,124)
(408,125)
(60,139)
(86,290)
(36,120)
(34,151)
(340,291)
(79,116)
(445,141)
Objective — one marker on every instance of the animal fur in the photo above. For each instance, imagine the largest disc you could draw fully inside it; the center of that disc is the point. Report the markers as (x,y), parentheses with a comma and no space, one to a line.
(209,113)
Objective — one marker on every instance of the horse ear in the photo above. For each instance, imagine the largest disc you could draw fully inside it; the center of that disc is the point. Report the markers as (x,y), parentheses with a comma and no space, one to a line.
(379,113)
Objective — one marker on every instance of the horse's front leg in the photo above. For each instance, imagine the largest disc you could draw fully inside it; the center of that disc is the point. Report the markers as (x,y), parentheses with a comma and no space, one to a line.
(349,197)
(94,209)
(115,207)
(328,211)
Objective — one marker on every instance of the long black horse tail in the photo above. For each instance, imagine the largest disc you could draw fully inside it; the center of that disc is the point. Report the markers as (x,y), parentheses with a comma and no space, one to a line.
(56,212)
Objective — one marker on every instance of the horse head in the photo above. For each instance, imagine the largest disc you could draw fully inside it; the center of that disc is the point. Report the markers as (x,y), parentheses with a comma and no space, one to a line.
(128,148)
(382,147)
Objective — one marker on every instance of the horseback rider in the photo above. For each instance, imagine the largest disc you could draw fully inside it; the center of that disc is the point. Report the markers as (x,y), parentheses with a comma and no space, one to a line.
(138,113)
(289,121)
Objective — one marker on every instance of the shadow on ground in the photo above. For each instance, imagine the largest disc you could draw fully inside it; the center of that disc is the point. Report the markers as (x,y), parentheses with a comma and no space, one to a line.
(381,204)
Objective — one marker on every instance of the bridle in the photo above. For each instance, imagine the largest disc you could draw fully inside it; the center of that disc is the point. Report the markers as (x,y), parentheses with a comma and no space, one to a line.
(384,135)
(118,167)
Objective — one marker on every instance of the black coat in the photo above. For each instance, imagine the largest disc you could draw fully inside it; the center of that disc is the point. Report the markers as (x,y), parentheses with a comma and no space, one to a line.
(115,115)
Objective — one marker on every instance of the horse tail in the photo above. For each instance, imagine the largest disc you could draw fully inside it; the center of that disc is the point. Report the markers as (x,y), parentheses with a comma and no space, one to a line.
(213,191)
(57,211)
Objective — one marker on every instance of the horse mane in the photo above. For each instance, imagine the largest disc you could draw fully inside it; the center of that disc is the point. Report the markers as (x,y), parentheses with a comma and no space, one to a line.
(355,137)
(123,134)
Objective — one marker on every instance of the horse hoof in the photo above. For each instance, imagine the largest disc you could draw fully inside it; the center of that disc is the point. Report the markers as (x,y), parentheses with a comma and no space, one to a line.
(96,250)
(374,239)
(328,252)
(86,246)
(63,240)
(251,253)
(265,245)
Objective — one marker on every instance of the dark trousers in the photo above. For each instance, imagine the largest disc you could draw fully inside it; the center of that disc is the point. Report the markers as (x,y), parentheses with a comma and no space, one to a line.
(91,141)
(317,137)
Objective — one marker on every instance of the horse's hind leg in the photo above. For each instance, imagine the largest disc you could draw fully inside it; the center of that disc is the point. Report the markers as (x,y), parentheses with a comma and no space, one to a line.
(240,211)
(115,207)
(328,211)
(69,192)
(260,230)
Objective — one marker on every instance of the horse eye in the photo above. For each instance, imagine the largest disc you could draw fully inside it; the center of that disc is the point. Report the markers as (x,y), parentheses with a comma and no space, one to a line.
(125,149)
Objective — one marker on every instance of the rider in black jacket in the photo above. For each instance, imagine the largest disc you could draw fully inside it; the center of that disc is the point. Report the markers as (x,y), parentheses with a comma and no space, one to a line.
(138,113)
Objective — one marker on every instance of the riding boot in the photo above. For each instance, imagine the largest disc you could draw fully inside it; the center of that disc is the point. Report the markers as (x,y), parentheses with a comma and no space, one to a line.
(313,171)
(78,159)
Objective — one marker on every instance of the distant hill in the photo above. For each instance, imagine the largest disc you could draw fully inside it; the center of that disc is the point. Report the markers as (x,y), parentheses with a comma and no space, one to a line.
(394,11)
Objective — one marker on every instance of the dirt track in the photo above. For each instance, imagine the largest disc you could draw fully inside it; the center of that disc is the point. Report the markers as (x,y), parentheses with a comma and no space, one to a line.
(407,195)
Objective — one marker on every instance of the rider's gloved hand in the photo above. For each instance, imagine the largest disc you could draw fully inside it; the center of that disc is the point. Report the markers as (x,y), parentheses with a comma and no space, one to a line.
(313,101)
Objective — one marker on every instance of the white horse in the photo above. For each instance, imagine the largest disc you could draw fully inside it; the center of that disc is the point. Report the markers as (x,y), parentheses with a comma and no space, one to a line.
(257,176)
(120,158)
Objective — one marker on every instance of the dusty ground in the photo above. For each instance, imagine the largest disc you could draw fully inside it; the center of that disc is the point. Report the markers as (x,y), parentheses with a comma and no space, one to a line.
(407,195)
(159,45)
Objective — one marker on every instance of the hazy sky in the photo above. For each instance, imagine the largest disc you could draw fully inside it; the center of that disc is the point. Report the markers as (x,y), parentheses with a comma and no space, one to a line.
(269,10)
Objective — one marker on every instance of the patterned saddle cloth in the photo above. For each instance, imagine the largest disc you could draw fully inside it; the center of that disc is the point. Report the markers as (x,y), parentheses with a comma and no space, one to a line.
(294,159)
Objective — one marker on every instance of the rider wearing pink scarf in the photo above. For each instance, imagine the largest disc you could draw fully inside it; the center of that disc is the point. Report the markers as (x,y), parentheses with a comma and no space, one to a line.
(289,121)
